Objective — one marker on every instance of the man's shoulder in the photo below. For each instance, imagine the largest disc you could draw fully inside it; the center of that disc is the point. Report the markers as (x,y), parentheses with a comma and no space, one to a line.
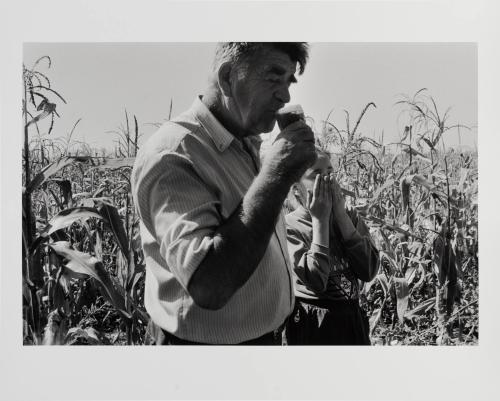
(168,140)
(171,134)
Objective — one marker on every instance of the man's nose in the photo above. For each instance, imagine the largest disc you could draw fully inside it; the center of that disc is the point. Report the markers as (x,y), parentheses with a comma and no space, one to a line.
(283,94)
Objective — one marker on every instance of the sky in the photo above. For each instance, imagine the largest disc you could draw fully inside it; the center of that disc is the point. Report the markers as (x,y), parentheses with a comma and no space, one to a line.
(100,80)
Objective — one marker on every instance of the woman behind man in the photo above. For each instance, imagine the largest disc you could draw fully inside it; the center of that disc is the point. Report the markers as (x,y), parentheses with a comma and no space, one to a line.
(331,250)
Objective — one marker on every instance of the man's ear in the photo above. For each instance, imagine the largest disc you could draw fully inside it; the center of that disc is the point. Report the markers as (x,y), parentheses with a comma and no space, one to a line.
(224,79)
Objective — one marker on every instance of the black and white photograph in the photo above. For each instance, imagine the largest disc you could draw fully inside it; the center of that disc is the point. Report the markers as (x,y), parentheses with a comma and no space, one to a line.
(242,193)
(315,196)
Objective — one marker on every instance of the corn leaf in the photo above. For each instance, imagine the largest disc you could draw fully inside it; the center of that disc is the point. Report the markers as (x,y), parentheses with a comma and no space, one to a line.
(67,217)
(91,202)
(65,187)
(383,223)
(121,269)
(141,315)
(392,262)
(402,293)
(416,153)
(136,242)
(382,279)
(59,300)
(138,274)
(98,245)
(55,330)
(83,263)
(463,175)
(389,183)
(82,195)
(420,180)
(410,274)
(116,163)
(88,334)
(52,169)
(421,308)
(374,319)
(406,185)
(114,221)
(438,252)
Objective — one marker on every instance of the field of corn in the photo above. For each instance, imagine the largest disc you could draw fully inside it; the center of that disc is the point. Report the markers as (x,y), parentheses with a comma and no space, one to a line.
(83,267)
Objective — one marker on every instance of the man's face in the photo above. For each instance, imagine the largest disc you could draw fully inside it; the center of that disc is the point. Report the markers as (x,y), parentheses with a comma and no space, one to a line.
(259,88)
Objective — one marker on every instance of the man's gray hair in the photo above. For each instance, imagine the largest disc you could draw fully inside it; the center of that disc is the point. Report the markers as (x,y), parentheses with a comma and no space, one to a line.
(237,52)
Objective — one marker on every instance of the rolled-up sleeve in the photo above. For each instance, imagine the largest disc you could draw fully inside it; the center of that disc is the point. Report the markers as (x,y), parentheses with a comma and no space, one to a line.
(311,263)
(362,253)
(179,210)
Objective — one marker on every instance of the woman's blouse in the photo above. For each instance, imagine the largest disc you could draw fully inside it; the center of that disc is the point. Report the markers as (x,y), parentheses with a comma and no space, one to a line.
(318,272)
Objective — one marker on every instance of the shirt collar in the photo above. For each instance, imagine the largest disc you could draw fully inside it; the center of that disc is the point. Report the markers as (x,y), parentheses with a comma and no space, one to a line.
(220,135)
(302,213)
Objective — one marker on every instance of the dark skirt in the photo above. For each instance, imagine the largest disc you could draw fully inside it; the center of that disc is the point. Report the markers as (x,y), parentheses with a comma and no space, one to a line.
(325,322)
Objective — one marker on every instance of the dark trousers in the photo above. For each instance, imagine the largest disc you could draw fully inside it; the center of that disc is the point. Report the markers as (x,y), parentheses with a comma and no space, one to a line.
(158,336)
(325,322)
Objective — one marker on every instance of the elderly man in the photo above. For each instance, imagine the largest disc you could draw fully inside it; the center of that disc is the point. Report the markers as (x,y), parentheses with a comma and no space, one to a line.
(217,270)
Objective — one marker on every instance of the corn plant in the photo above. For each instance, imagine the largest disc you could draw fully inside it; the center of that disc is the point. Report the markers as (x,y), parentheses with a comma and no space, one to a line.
(83,267)
(421,207)
(81,253)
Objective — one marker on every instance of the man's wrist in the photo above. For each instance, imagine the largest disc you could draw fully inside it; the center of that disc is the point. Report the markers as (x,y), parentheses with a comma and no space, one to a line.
(269,180)
(274,171)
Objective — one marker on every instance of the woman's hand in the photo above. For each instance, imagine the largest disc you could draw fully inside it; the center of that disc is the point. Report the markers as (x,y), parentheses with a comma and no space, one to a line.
(319,201)
(338,201)
(340,215)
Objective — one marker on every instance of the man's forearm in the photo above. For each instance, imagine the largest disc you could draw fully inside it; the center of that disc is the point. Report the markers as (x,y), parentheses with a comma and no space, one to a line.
(240,242)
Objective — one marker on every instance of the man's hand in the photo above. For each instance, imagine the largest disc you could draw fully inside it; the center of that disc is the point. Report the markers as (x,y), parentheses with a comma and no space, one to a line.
(291,153)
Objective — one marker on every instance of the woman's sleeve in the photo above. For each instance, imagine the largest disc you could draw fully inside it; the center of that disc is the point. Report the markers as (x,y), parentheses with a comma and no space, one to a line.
(362,254)
(311,263)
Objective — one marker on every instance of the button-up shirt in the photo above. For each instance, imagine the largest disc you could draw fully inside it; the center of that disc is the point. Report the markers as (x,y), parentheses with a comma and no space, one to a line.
(187,180)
